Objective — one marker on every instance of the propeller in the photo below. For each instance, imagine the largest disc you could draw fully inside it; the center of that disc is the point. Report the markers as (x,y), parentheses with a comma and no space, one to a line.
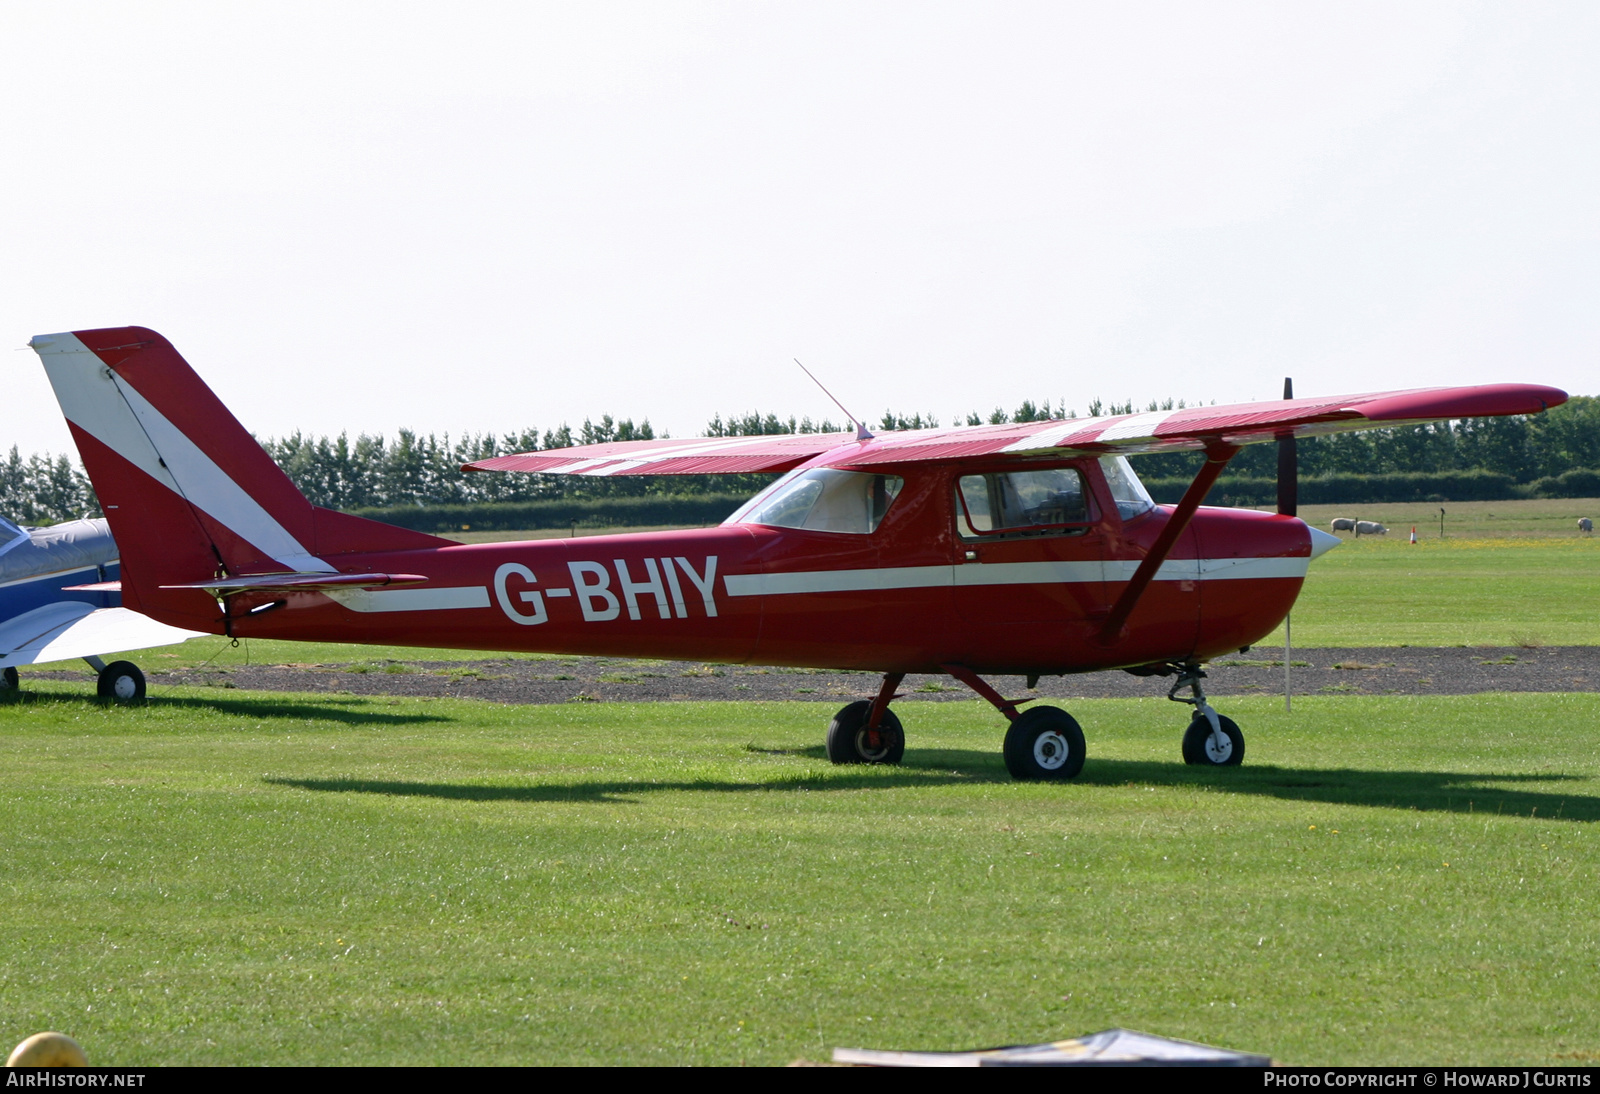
(1288,465)
(1288,505)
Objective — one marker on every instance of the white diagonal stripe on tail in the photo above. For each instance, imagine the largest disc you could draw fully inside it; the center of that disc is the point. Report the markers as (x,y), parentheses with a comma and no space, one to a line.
(109,409)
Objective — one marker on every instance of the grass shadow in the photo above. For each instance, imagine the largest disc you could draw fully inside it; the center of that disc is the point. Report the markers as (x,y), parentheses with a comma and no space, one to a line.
(352,711)
(969,762)
(1427,791)
(877,778)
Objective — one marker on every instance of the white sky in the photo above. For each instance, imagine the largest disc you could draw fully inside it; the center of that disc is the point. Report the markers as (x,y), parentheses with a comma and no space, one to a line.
(484,216)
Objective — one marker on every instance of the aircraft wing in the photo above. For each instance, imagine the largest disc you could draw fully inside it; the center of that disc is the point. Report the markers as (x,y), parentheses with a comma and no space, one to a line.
(676,456)
(70,629)
(1153,431)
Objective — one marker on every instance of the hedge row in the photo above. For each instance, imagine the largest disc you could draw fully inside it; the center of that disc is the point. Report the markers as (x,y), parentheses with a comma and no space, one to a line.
(713,508)
(1349,489)
(583,512)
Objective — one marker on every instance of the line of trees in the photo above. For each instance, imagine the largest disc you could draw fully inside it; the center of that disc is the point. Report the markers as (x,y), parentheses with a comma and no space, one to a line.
(413,469)
(44,489)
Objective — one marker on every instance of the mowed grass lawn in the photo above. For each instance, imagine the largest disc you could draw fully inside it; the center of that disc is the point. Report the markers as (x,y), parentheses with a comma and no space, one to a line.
(1508,591)
(226,877)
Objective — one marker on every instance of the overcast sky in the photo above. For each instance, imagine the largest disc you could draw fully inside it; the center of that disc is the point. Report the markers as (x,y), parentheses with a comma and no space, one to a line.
(466,217)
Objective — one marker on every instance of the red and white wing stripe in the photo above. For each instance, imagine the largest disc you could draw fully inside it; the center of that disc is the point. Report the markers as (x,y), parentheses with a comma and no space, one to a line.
(1239,423)
(1195,427)
(686,456)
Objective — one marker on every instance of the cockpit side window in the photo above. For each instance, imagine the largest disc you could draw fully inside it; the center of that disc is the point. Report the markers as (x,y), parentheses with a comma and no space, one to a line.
(1018,503)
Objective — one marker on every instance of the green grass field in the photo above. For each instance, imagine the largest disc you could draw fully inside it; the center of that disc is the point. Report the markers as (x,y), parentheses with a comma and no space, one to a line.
(1454,592)
(1531,518)
(241,878)
(1505,573)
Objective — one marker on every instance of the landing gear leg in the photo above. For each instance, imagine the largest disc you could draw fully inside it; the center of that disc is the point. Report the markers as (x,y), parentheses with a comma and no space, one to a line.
(1211,739)
(1041,742)
(869,733)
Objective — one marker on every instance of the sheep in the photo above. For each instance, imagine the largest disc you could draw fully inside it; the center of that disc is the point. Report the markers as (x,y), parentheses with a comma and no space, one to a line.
(1370,528)
(1343,524)
(1585,525)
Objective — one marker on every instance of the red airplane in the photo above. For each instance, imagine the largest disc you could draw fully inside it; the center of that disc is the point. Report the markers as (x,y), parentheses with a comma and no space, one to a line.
(1028,549)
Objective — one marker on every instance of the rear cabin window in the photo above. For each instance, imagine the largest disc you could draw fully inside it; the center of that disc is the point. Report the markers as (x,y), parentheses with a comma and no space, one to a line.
(1013,503)
(823,499)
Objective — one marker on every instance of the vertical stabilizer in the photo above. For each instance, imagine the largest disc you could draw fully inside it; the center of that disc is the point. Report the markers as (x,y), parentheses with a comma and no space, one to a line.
(188,491)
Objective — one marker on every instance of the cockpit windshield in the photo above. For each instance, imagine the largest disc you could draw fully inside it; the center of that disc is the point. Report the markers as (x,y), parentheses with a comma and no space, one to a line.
(1129,493)
(823,499)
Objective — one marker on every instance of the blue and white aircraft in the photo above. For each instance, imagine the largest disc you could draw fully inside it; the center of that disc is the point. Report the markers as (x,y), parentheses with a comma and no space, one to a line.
(61,597)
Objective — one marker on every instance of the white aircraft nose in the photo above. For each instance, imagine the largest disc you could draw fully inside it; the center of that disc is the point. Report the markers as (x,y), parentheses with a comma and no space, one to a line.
(1322,542)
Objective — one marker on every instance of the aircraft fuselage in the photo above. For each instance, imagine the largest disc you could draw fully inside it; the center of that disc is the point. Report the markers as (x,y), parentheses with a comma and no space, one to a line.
(910,597)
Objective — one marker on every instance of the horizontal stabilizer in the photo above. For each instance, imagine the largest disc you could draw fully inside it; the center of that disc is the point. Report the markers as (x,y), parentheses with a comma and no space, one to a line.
(298,583)
(1120,434)
(70,628)
(96,587)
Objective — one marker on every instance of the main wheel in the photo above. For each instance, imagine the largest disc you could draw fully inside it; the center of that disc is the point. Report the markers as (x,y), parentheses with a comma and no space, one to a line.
(9,680)
(1200,748)
(1044,743)
(122,681)
(851,742)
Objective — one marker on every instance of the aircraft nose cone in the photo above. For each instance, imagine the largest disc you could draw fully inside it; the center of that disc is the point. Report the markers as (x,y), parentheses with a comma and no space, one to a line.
(1321,542)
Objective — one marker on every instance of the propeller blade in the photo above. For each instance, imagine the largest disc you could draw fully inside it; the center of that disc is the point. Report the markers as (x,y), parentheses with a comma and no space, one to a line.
(1288,466)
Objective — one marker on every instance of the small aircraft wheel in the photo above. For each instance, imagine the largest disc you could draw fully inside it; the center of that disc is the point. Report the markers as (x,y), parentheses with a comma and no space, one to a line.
(850,742)
(1044,743)
(9,680)
(1200,748)
(122,681)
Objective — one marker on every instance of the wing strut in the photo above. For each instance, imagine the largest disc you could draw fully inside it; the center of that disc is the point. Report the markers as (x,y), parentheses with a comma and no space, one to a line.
(1217,457)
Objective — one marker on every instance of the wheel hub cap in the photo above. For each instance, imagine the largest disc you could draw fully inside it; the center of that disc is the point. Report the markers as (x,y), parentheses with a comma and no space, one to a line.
(124,687)
(871,745)
(1050,750)
(1219,746)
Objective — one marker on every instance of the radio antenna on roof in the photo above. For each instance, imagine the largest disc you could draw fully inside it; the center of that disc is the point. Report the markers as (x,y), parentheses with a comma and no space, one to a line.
(862,434)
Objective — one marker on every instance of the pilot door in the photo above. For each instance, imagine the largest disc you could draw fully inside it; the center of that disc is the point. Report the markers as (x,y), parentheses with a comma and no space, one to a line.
(1029,581)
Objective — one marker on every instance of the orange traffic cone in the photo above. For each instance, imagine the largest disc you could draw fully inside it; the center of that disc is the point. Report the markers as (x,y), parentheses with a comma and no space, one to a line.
(1413,533)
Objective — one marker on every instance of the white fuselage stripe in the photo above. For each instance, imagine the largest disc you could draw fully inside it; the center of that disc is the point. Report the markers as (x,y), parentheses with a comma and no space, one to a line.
(412,600)
(974,574)
(102,404)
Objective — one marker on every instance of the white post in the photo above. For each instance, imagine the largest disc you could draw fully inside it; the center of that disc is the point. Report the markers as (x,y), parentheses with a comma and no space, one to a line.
(1286,647)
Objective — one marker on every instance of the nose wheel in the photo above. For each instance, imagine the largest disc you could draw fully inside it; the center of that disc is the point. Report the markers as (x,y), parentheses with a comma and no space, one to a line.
(1220,747)
(1212,739)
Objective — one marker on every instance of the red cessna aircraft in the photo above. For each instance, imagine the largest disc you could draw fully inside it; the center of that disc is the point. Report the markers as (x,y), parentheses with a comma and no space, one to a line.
(1028,549)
